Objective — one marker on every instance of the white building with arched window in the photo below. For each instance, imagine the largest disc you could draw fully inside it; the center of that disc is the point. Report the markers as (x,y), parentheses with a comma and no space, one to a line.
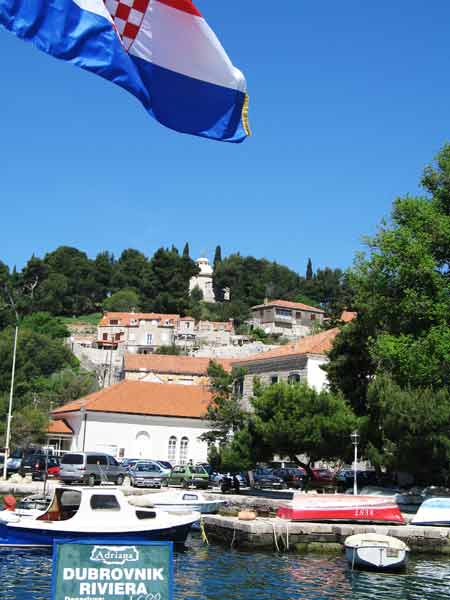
(137,419)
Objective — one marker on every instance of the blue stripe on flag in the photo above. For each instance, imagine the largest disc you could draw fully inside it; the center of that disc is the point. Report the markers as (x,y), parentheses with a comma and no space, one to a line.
(193,106)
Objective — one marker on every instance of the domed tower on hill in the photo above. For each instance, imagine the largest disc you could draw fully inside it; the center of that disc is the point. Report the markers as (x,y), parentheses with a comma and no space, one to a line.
(204,280)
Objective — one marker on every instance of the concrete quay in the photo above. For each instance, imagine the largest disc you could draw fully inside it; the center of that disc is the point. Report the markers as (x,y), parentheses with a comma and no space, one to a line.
(284,536)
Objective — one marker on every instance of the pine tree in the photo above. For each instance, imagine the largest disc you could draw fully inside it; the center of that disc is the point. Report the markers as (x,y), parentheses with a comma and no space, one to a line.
(217,256)
(186,253)
(309,270)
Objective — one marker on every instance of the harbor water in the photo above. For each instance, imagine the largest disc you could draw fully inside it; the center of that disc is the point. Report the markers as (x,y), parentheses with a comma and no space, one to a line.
(217,573)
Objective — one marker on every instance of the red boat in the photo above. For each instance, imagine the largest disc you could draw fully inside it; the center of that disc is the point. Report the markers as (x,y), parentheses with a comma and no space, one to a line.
(342,507)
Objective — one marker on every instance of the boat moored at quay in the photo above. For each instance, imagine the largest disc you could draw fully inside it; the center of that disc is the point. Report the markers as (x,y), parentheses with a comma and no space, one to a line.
(103,513)
(342,507)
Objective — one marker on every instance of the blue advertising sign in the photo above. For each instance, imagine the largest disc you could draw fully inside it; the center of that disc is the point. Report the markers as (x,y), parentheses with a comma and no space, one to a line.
(95,570)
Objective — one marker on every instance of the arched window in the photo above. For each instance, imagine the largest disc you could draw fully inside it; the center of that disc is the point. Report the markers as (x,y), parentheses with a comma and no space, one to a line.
(142,445)
(172,450)
(294,378)
(184,444)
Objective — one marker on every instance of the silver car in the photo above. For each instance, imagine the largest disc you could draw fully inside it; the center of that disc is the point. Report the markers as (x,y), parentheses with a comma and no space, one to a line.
(91,468)
(148,473)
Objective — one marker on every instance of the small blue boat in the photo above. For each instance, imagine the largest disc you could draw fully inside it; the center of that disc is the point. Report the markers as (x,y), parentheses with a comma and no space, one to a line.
(434,511)
(103,513)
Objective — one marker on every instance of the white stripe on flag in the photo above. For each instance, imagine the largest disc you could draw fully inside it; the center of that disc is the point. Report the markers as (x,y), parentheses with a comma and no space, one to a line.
(95,6)
(185,43)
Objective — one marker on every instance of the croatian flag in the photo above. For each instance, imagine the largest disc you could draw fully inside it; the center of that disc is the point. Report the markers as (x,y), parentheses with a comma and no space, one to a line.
(162,51)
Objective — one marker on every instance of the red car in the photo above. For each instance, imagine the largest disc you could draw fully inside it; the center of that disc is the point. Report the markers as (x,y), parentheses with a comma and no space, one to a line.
(322,478)
(38,468)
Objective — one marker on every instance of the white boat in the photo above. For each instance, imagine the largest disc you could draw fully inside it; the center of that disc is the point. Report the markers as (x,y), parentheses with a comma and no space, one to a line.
(102,513)
(32,506)
(434,511)
(407,501)
(375,551)
(178,501)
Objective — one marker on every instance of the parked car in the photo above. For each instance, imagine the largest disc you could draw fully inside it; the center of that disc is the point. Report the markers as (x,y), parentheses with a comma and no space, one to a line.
(263,478)
(322,478)
(38,467)
(18,455)
(91,468)
(148,473)
(28,463)
(165,464)
(208,468)
(344,478)
(128,463)
(187,475)
(292,477)
(216,478)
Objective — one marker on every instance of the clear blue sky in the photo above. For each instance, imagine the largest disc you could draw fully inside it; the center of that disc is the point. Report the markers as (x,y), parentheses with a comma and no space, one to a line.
(349,101)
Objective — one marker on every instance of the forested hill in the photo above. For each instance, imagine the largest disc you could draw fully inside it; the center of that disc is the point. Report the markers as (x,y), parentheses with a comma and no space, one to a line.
(66,282)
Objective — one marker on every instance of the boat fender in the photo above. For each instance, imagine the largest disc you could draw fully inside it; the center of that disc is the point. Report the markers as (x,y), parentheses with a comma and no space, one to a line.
(9,503)
(246,515)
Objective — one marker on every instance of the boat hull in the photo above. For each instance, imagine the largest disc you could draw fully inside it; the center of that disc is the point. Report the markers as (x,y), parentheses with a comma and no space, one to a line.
(342,507)
(376,558)
(203,508)
(434,511)
(23,537)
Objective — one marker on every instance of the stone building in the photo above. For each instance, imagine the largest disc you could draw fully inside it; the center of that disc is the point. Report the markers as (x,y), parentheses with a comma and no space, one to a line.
(286,319)
(301,361)
(159,368)
(138,333)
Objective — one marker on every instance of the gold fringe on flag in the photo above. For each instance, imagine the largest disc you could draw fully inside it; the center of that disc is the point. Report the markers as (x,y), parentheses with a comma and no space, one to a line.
(245,121)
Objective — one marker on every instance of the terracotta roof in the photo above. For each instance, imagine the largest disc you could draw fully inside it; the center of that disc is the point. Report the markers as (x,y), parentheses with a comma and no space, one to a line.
(320,343)
(187,319)
(161,363)
(348,315)
(142,398)
(125,318)
(59,427)
(288,304)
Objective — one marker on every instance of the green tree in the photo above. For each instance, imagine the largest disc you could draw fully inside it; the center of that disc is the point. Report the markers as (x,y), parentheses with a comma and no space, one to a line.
(410,430)
(309,270)
(218,291)
(64,386)
(294,420)
(402,295)
(37,356)
(129,270)
(104,269)
(45,324)
(186,252)
(126,300)
(166,283)
(75,271)
(225,411)
(217,257)
(169,350)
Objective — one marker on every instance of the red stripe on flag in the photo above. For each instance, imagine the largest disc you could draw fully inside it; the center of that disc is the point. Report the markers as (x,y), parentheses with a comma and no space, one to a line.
(184,5)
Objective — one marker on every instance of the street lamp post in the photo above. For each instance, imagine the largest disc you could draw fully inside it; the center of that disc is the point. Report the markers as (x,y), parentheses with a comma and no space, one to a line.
(83,415)
(11,394)
(354,436)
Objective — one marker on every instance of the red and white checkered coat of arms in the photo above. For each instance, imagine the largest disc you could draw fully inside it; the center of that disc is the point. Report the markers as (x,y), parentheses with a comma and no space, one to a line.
(128,16)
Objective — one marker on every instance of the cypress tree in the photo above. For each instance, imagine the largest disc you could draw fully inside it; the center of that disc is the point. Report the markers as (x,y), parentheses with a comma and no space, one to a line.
(217,256)
(309,270)
(186,252)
